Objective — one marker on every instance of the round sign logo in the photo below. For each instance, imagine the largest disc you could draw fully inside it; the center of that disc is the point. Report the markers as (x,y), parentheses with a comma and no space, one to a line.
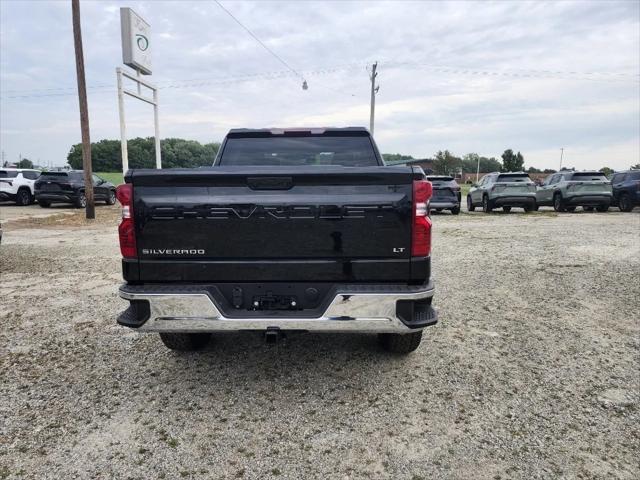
(142,41)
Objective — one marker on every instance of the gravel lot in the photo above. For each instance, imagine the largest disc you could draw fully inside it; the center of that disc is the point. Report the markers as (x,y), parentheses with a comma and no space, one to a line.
(531,373)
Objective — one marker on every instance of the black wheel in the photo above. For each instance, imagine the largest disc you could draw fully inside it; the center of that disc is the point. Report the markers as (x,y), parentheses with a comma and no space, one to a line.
(44,203)
(506,209)
(486,205)
(23,198)
(558,203)
(455,210)
(185,342)
(588,209)
(528,208)
(111,199)
(536,207)
(400,343)
(624,203)
(603,208)
(81,201)
(470,206)
(570,209)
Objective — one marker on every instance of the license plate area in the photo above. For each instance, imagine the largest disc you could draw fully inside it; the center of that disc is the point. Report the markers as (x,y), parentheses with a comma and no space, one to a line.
(280,299)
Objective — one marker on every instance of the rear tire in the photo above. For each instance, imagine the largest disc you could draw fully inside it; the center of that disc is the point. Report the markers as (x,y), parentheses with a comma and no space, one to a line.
(455,210)
(570,209)
(558,203)
(470,206)
(81,201)
(603,208)
(486,205)
(23,197)
(624,204)
(185,342)
(506,209)
(587,209)
(111,199)
(44,203)
(400,343)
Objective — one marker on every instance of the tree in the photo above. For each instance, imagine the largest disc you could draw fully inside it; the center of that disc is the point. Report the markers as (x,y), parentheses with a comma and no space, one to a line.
(533,170)
(549,170)
(106,155)
(25,163)
(395,157)
(607,171)
(512,162)
(444,163)
(470,163)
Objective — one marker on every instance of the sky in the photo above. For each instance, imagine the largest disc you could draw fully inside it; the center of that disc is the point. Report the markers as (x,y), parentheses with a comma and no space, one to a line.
(463,76)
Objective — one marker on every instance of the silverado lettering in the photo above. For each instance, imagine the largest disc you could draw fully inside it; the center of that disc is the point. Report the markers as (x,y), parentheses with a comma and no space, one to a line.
(170,251)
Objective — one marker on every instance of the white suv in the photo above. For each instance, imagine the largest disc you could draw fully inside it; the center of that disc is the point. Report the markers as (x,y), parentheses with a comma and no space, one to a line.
(17,184)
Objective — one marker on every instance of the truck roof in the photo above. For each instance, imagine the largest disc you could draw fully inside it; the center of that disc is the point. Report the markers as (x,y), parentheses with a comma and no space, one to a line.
(252,132)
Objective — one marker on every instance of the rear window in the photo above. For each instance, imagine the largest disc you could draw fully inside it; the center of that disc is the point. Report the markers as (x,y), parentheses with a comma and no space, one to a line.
(53,176)
(634,175)
(8,174)
(514,178)
(299,151)
(588,176)
(440,179)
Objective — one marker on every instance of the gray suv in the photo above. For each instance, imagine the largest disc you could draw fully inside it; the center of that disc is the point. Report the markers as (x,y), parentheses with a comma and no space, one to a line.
(506,190)
(567,190)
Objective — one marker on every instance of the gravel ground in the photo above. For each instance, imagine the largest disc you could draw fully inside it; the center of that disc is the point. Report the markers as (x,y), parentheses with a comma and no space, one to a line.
(532,371)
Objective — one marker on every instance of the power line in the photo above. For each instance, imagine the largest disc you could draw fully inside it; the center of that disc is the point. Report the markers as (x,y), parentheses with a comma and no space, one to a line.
(274,54)
(609,77)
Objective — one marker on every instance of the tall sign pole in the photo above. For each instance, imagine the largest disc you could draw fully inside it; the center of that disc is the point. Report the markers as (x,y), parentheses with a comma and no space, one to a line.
(374,90)
(84,111)
(136,53)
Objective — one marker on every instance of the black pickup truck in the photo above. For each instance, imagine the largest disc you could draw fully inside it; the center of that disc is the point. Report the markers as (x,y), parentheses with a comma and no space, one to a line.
(289,230)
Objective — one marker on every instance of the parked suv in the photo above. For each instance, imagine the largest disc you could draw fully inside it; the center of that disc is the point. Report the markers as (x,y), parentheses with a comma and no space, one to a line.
(567,190)
(626,190)
(506,190)
(68,187)
(16,184)
(446,194)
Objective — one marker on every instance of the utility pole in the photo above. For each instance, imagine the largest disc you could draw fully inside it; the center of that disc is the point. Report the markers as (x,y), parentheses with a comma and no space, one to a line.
(374,90)
(84,111)
(561,155)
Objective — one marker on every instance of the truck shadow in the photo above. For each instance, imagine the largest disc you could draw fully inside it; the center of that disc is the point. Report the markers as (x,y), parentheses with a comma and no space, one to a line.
(304,362)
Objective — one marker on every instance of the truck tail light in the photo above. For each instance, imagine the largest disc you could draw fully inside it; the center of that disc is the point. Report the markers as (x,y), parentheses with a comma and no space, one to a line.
(126,229)
(421,232)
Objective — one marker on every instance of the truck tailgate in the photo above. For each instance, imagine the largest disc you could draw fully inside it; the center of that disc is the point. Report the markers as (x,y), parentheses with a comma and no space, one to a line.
(241,224)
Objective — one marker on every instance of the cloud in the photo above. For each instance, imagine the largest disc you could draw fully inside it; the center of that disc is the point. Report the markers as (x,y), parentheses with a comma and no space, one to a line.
(469,77)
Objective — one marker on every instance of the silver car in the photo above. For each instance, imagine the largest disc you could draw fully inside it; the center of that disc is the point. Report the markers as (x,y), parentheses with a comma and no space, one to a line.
(567,190)
(503,190)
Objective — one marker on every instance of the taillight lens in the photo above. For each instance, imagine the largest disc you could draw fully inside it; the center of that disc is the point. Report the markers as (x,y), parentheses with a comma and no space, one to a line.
(126,229)
(421,233)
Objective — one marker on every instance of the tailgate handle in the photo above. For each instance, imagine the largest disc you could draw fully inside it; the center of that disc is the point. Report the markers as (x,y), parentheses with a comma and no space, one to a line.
(270,183)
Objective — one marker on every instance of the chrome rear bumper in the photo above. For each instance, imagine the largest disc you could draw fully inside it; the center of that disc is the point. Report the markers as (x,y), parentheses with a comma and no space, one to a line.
(347,312)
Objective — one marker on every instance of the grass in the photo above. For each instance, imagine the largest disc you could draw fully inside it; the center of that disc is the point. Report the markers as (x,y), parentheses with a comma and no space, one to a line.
(113,177)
